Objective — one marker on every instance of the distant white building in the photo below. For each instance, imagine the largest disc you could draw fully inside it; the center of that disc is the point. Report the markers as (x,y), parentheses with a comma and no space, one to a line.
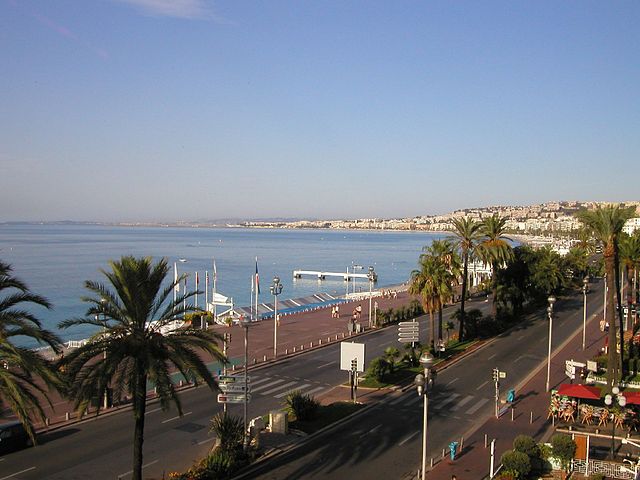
(631,225)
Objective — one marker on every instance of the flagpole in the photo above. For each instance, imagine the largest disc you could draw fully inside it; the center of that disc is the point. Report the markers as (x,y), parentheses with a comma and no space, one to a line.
(184,296)
(215,279)
(197,290)
(206,289)
(257,288)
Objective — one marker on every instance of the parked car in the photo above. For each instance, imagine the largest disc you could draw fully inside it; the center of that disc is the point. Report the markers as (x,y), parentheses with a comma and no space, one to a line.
(13,437)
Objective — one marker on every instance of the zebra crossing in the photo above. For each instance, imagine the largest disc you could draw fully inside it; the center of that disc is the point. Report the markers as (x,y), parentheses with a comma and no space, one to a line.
(280,387)
(450,402)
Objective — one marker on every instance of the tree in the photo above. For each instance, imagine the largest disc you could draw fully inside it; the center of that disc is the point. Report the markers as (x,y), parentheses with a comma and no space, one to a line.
(563,448)
(516,463)
(391,354)
(423,284)
(495,250)
(446,275)
(19,384)
(466,234)
(630,259)
(131,349)
(605,224)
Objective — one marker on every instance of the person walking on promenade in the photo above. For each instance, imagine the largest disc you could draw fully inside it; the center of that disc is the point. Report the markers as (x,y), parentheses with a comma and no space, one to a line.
(337,311)
(333,312)
(358,311)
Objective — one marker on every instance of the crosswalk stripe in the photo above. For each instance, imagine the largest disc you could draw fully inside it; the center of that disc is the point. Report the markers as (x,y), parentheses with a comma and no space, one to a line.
(413,399)
(279,387)
(258,382)
(313,390)
(446,401)
(267,385)
(462,402)
(477,406)
(301,387)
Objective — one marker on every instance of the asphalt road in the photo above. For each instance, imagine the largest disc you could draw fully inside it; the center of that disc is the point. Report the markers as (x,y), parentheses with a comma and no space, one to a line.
(101,447)
(385,442)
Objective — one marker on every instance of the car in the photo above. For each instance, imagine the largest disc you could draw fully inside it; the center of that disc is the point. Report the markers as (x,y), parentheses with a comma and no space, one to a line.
(13,436)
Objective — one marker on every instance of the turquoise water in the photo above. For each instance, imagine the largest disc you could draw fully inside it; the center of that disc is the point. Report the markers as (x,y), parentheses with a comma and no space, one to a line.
(55,260)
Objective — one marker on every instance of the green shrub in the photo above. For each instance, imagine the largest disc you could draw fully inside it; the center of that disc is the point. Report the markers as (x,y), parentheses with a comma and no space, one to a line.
(378,368)
(302,406)
(563,448)
(526,445)
(229,430)
(517,463)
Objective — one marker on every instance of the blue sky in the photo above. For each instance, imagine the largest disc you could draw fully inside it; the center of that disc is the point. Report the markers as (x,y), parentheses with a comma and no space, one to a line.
(195,109)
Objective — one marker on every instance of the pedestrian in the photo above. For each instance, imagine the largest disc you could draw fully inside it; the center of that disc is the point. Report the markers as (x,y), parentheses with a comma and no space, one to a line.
(453,477)
(337,311)
(359,310)
(333,312)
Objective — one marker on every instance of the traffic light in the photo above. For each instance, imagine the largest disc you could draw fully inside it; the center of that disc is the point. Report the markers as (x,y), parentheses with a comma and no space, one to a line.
(496,374)
(354,364)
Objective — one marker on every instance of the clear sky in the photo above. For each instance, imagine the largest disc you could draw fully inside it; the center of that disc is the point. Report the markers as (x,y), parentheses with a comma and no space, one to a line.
(197,109)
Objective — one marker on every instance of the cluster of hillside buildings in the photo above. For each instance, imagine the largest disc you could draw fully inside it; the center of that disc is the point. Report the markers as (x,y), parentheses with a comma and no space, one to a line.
(547,218)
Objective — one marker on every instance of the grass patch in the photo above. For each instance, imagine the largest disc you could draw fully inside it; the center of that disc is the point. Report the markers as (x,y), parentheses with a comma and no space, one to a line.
(327,415)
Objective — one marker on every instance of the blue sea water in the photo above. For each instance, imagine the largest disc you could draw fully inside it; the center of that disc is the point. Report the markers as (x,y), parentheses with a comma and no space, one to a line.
(55,260)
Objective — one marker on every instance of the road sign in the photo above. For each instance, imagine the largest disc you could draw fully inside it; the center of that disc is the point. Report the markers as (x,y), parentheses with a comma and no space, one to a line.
(350,351)
(233,397)
(222,379)
(233,388)
(408,332)
(503,374)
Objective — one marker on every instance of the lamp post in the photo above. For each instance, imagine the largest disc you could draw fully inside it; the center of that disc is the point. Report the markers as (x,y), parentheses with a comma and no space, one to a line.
(276,289)
(245,324)
(371,276)
(620,400)
(105,399)
(424,384)
(585,285)
(551,301)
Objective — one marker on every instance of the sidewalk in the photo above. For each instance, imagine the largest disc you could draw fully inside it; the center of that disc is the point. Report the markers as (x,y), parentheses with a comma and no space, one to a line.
(532,402)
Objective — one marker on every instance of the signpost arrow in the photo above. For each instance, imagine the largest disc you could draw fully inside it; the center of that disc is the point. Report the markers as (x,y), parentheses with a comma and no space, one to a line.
(233,388)
(233,397)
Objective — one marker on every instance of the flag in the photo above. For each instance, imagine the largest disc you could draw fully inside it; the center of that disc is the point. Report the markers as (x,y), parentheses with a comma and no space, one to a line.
(252,280)
(215,272)
(197,281)
(257,278)
(175,277)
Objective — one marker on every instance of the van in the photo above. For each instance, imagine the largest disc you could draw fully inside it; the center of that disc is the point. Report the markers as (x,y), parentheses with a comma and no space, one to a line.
(13,436)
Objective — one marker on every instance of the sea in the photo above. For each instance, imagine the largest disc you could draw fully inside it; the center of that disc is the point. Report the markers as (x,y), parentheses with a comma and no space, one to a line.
(55,260)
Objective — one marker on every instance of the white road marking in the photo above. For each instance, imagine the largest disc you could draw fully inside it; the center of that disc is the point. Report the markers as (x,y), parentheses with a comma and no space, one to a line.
(413,399)
(206,441)
(401,398)
(452,381)
(492,356)
(326,364)
(266,385)
(152,411)
(477,406)
(313,390)
(301,387)
(482,385)
(131,471)
(462,402)
(408,438)
(279,387)
(520,337)
(373,429)
(18,473)
(175,418)
(446,401)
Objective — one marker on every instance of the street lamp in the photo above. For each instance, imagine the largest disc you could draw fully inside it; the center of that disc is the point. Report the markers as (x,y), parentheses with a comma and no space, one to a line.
(620,400)
(105,400)
(585,285)
(245,324)
(276,289)
(371,276)
(424,384)
(551,301)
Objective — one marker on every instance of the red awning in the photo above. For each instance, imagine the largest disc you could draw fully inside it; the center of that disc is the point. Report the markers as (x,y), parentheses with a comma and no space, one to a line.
(632,397)
(580,391)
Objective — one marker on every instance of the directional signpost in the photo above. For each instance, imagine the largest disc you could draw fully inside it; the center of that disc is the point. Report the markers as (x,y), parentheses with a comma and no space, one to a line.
(570,368)
(408,332)
(233,389)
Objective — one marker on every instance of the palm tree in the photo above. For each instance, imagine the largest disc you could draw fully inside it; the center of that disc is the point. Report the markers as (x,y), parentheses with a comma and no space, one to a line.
(423,284)
(495,250)
(132,348)
(22,367)
(466,234)
(630,259)
(606,224)
(443,251)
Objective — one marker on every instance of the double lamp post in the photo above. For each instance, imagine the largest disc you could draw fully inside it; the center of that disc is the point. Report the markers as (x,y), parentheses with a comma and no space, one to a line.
(424,384)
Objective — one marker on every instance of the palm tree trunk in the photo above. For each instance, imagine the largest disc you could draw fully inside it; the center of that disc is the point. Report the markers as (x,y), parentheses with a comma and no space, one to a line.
(616,260)
(433,329)
(139,407)
(465,273)
(494,289)
(612,358)
(440,322)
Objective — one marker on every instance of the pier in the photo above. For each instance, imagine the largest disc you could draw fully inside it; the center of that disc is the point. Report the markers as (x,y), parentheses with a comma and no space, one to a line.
(346,276)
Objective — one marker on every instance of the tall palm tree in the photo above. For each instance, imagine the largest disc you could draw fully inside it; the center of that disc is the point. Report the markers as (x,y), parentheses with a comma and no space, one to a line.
(606,224)
(443,251)
(495,250)
(630,259)
(132,348)
(22,367)
(466,235)
(423,284)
